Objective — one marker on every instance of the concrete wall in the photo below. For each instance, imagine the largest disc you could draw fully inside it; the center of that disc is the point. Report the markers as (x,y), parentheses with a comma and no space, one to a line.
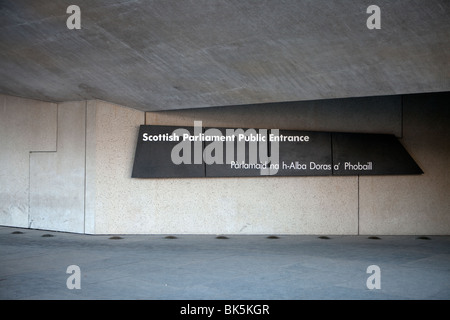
(42,164)
(25,126)
(414,204)
(115,202)
(57,179)
(81,181)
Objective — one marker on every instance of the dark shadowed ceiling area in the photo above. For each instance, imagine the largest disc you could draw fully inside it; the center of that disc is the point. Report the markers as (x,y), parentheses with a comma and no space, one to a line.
(178,54)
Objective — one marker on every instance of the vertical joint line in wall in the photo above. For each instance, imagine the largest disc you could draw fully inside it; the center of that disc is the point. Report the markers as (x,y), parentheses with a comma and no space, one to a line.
(85,164)
(358,204)
(29,189)
(57,127)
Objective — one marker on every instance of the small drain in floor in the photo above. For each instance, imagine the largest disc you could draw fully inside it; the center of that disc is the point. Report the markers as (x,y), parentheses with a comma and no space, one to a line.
(324,237)
(47,235)
(115,238)
(423,238)
(170,237)
(17,232)
(221,237)
(373,238)
(272,237)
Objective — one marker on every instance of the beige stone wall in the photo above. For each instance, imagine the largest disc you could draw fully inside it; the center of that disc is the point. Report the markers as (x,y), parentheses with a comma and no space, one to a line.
(68,167)
(57,179)
(282,205)
(26,126)
(115,203)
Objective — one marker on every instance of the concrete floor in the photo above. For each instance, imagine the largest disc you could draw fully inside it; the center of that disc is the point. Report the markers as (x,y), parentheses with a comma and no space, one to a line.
(198,267)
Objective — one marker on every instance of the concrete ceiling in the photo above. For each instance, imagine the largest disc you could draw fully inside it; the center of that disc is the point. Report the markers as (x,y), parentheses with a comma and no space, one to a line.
(176,54)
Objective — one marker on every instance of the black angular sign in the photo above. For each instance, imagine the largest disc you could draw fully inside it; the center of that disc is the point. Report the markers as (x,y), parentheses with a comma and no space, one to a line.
(371,154)
(178,152)
(305,158)
(232,148)
(153,154)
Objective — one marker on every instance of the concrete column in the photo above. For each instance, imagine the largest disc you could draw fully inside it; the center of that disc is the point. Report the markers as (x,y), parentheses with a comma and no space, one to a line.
(113,201)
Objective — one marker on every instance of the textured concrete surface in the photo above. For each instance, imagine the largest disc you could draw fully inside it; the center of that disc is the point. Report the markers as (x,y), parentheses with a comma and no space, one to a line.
(111,194)
(163,55)
(25,126)
(86,185)
(208,206)
(33,266)
(57,179)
